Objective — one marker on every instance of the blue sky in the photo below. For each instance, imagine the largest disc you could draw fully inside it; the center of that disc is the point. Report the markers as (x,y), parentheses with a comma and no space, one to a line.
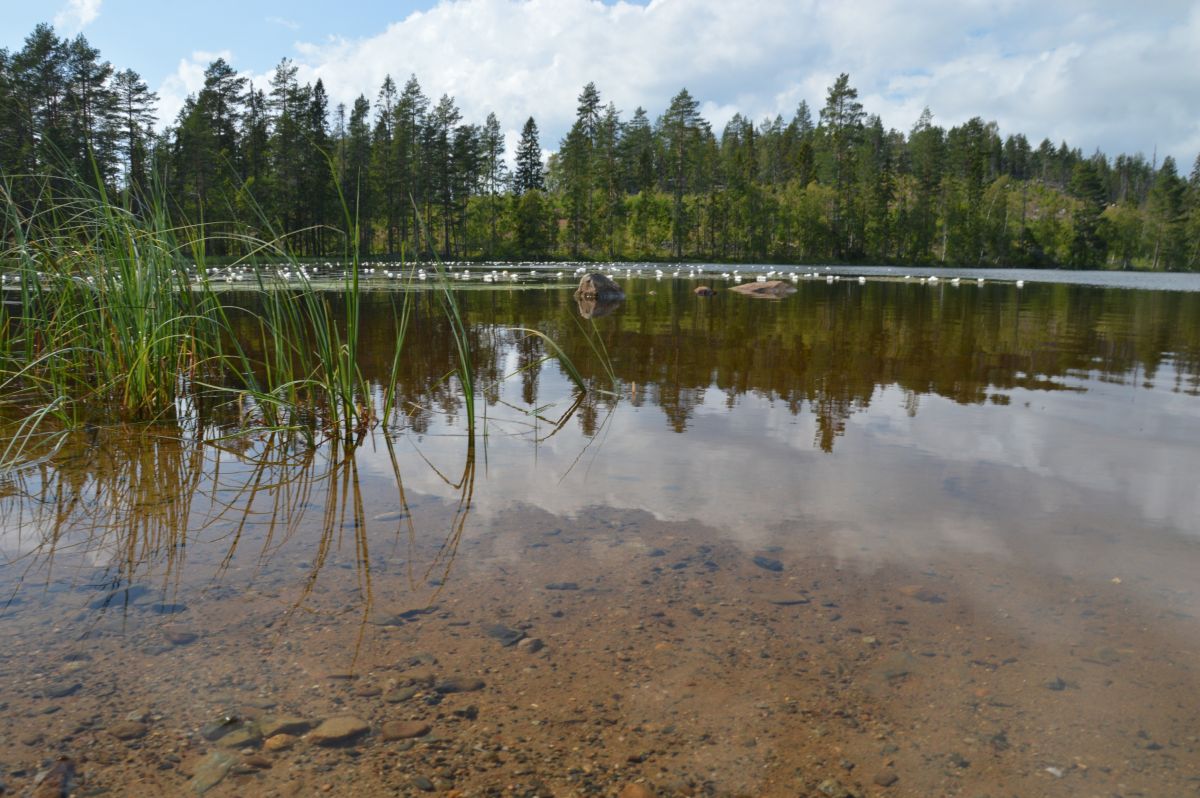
(1105,74)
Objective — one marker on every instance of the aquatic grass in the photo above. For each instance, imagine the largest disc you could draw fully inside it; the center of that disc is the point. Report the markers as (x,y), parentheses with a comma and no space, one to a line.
(112,315)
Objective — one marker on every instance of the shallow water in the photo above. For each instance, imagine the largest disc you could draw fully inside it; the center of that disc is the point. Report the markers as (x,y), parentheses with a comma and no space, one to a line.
(880,539)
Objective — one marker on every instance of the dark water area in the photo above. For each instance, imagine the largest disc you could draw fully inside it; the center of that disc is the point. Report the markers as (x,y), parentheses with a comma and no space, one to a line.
(889,538)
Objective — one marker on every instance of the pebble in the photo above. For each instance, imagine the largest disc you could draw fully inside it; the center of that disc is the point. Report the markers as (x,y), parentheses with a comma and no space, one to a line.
(57,781)
(422,783)
(787,601)
(280,742)
(245,735)
(636,791)
(400,695)
(562,586)
(128,730)
(501,633)
(768,563)
(61,689)
(886,778)
(833,789)
(339,730)
(403,729)
(459,684)
(179,637)
(284,724)
(922,593)
(531,644)
(210,771)
(215,730)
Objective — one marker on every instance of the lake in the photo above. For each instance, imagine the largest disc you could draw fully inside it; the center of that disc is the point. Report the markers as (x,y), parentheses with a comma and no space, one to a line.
(889,537)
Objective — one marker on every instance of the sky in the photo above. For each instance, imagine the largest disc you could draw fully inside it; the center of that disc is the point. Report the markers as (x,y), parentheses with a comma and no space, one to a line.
(1100,74)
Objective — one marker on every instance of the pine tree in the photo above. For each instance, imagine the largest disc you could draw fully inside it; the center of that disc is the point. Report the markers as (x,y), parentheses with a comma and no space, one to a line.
(411,162)
(356,179)
(1087,247)
(494,175)
(385,182)
(681,130)
(136,109)
(529,175)
(841,126)
(1165,210)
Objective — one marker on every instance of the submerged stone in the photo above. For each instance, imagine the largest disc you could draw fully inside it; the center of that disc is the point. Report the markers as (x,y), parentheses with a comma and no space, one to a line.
(403,729)
(211,770)
(769,563)
(459,684)
(501,633)
(339,731)
(128,730)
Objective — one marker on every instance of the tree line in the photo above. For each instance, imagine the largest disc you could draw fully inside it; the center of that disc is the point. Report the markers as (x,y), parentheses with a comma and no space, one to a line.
(416,178)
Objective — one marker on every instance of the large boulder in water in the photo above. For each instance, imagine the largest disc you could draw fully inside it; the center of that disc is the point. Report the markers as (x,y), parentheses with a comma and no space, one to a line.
(771,289)
(595,285)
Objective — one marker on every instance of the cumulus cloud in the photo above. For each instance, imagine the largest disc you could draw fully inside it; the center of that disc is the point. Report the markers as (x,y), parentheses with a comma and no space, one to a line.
(1097,73)
(76,15)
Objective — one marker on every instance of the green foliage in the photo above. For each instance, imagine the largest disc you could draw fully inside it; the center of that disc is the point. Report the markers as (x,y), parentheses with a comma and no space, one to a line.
(422,180)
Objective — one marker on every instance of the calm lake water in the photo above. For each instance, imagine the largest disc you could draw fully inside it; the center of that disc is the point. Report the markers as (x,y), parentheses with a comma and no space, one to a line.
(889,538)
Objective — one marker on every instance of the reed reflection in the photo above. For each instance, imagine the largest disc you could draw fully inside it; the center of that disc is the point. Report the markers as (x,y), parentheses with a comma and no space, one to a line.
(126,521)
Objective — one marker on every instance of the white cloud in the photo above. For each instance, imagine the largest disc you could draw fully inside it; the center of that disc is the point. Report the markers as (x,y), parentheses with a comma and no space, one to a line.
(76,15)
(284,22)
(188,78)
(1098,74)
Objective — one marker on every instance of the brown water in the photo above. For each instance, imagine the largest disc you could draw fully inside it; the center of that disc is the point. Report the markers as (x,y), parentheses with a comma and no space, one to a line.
(881,539)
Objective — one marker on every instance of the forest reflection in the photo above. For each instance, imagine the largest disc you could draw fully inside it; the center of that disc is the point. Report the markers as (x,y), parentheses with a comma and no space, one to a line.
(825,350)
(123,506)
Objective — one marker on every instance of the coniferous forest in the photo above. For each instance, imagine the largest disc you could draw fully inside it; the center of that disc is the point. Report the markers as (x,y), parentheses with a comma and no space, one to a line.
(830,184)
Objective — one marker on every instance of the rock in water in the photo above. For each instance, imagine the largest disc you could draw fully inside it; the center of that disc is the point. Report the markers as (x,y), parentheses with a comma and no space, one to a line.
(768,563)
(403,730)
(595,285)
(56,782)
(506,637)
(284,724)
(703,290)
(459,684)
(339,730)
(771,289)
(280,742)
(127,730)
(210,771)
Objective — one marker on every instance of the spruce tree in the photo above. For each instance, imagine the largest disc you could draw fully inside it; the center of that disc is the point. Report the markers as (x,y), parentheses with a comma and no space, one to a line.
(529,175)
